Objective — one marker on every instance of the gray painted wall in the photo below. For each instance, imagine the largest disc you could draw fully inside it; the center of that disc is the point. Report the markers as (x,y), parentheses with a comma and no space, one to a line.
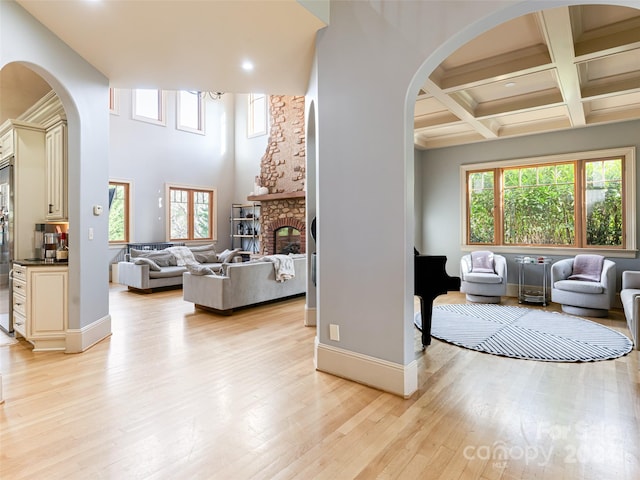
(248,152)
(441,220)
(83,91)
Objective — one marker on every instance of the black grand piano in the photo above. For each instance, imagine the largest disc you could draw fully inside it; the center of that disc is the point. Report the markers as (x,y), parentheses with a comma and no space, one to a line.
(430,280)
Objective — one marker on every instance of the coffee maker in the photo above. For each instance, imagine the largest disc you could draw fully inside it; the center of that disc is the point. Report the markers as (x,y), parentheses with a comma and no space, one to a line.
(47,239)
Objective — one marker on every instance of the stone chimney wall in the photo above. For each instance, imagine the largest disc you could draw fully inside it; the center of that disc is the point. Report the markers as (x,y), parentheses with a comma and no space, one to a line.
(283,172)
(282,168)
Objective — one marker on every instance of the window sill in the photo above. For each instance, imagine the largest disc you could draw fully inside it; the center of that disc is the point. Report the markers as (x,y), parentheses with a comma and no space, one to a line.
(559,251)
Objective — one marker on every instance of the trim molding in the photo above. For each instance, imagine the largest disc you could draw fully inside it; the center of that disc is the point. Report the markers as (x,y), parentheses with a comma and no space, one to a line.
(310,316)
(79,340)
(390,377)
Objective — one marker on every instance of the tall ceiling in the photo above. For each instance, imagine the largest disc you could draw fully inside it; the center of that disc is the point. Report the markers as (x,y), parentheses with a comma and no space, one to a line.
(189,44)
(551,70)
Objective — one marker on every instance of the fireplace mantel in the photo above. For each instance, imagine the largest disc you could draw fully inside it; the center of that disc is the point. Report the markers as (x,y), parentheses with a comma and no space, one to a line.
(276,196)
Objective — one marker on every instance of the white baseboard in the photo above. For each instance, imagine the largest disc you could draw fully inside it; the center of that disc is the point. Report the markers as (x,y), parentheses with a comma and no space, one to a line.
(381,374)
(310,316)
(79,340)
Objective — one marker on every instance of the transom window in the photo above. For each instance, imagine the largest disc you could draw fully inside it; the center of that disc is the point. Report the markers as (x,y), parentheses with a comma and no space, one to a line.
(257,115)
(148,105)
(191,213)
(576,201)
(190,111)
(119,212)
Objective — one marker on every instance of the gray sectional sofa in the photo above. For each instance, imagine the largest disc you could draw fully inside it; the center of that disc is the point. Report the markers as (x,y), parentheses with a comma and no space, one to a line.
(145,270)
(243,284)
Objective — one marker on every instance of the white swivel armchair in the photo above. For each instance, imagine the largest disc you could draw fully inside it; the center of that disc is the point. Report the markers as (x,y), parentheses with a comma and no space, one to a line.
(630,297)
(581,290)
(483,277)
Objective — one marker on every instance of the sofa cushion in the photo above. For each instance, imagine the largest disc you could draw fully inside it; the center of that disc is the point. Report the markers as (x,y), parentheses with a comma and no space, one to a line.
(483,278)
(579,286)
(153,266)
(168,272)
(202,248)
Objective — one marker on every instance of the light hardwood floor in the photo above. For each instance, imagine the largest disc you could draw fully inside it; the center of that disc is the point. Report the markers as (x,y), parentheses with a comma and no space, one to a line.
(176,393)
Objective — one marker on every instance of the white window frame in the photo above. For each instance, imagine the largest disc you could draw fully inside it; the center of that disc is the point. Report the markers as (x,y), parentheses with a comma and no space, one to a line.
(214,210)
(161,120)
(114,101)
(629,179)
(130,211)
(201,116)
(252,115)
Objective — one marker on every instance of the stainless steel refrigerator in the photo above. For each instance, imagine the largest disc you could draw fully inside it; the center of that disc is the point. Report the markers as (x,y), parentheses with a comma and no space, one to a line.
(6,248)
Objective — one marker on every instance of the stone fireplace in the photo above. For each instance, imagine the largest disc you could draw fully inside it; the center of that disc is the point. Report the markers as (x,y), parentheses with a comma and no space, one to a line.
(281,215)
(282,172)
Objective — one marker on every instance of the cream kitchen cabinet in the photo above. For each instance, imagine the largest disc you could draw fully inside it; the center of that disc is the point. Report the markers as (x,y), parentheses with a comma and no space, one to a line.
(56,176)
(27,160)
(40,305)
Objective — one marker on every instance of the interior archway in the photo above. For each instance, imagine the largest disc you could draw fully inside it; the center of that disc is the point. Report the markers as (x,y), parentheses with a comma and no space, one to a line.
(424,74)
(20,88)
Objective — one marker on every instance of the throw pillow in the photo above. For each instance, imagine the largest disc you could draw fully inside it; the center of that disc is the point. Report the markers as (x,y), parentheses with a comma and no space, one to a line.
(587,268)
(161,257)
(482,262)
(206,256)
(227,255)
(138,253)
(147,261)
(195,269)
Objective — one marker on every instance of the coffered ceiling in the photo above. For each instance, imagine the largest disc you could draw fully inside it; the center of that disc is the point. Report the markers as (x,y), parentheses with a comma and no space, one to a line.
(551,70)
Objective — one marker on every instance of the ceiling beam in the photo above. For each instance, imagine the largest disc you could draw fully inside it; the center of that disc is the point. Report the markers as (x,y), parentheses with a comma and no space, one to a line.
(620,87)
(521,103)
(465,114)
(556,25)
(524,61)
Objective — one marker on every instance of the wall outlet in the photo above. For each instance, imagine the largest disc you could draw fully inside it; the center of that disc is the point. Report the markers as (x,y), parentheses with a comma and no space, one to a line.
(334,332)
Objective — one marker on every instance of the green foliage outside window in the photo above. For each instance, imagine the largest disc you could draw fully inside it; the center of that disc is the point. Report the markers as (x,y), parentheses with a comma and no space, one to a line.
(201,220)
(604,202)
(179,214)
(481,196)
(191,214)
(540,205)
(118,214)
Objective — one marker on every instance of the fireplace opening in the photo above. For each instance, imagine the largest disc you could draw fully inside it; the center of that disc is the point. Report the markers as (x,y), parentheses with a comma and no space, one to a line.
(287,240)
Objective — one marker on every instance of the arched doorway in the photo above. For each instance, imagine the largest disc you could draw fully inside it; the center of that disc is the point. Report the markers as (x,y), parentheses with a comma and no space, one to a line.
(499,84)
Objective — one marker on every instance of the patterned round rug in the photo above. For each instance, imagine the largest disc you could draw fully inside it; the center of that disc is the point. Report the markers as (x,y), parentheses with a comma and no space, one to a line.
(526,333)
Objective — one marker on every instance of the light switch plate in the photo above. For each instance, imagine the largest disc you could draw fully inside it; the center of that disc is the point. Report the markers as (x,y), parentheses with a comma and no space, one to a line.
(334,332)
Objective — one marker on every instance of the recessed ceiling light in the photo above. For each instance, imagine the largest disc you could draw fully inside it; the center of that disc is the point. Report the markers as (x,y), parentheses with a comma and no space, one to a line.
(247,66)
(510,84)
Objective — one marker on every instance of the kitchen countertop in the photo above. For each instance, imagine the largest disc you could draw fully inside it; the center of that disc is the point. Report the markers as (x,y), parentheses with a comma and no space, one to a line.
(36,262)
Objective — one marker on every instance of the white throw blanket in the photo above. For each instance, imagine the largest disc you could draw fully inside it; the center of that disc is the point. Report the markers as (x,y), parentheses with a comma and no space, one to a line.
(282,265)
(183,255)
